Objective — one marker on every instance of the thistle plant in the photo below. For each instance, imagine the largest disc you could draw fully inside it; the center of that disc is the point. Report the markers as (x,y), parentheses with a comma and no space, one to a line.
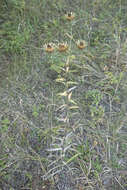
(66,146)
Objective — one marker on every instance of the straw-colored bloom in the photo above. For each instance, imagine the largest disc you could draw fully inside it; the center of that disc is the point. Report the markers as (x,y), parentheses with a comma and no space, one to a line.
(49,47)
(62,47)
(70,16)
(81,44)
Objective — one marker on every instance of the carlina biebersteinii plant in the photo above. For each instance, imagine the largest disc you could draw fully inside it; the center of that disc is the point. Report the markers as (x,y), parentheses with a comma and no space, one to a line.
(81,44)
(49,47)
(70,16)
(62,47)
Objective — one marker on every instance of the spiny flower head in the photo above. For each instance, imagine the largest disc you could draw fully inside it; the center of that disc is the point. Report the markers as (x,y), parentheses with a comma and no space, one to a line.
(70,16)
(49,47)
(62,47)
(81,44)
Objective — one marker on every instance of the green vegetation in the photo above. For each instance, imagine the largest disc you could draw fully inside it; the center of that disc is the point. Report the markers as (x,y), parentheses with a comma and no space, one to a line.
(63,121)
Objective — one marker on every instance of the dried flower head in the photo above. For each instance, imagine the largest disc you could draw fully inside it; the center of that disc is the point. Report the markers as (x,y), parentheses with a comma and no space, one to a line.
(49,47)
(70,16)
(81,44)
(62,47)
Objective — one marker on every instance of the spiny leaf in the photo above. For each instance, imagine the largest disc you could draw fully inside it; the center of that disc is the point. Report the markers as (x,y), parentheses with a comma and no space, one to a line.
(60,80)
(73,107)
(63,93)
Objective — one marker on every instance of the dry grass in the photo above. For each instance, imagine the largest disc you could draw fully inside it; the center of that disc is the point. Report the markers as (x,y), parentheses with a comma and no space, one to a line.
(63,113)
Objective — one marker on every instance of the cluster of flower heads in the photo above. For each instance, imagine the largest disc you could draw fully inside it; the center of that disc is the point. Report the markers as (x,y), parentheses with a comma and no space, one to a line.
(63,47)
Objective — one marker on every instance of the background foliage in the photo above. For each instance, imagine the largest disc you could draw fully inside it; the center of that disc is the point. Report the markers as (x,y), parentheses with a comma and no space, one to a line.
(63,115)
